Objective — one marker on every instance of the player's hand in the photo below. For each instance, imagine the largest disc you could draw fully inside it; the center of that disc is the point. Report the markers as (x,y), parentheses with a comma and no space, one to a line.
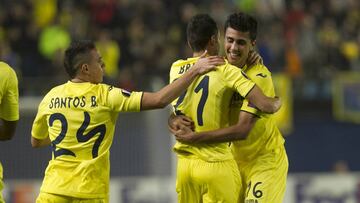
(208,63)
(177,122)
(277,104)
(253,59)
(185,135)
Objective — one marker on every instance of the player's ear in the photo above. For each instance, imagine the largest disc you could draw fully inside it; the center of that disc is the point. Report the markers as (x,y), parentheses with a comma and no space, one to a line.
(213,39)
(189,45)
(253,43)
(84,68)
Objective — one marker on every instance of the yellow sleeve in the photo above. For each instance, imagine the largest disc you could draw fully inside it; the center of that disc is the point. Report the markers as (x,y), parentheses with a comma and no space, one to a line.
(9,98)
(123,101)
(40,128)
(262,78)
(236,79)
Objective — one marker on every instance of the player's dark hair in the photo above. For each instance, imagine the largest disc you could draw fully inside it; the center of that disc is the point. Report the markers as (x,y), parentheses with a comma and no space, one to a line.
(242,22)
(76,55)
(199,31)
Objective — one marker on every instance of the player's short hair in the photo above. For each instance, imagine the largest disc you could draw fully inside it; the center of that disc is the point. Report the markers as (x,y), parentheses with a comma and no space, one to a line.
(76,55)
(242,22)
(199,31)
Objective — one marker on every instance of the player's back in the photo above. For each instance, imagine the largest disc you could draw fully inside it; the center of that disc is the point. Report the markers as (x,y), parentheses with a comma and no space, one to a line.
(73,110)
(80,121)
(207,102)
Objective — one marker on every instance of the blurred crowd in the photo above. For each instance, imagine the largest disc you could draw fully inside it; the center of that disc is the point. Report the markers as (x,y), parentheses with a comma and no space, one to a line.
(310,40)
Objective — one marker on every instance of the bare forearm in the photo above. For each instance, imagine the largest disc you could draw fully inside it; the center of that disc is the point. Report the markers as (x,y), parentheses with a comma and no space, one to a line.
(262,102)
(238,131)
(167,94)
(228,134)
(173,90)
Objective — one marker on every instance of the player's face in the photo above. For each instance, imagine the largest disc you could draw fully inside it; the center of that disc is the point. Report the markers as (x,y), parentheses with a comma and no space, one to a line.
(237,46)
(96,67)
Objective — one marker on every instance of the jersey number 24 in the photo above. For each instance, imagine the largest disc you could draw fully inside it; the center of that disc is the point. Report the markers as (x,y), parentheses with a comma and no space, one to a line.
(80,136)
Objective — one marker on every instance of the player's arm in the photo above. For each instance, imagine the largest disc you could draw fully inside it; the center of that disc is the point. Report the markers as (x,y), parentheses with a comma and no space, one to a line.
(261,95)
(238,131)
(35,143)
(7,129)
(39,131)
(246,88)
(163,97)
(262,102)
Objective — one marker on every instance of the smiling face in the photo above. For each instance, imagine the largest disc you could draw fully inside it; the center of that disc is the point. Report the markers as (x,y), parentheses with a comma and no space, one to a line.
(237,46)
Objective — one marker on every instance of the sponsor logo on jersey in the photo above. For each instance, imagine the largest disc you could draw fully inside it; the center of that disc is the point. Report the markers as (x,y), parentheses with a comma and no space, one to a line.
(261,75)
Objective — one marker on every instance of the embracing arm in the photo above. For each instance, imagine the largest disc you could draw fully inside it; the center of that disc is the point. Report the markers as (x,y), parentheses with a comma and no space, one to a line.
(163,97)
(239,131)
(262,102)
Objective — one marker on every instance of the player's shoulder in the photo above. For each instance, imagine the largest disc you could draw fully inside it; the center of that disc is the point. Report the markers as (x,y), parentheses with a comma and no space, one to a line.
(106,90)
(55,91)
(104,86)
(4,66)
(182,62)
(6,70)
(179,62)
(258,70)
(226,66)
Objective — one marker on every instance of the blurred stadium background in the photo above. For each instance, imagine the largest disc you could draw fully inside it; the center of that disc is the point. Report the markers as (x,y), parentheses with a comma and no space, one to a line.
(311,46)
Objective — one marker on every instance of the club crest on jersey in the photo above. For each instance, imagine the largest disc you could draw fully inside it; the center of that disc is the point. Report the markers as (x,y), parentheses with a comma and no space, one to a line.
(125,93)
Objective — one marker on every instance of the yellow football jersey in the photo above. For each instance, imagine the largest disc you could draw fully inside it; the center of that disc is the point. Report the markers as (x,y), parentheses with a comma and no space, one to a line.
(9,94)
(207,102)
(265,135)
(80,119)
(9,101)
